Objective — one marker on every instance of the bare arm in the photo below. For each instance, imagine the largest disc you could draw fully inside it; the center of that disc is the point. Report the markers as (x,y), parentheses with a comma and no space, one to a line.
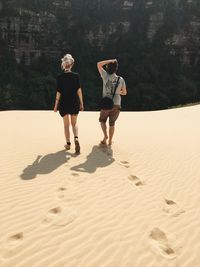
(58,94)
(100,64)
(123,91)
(80,95)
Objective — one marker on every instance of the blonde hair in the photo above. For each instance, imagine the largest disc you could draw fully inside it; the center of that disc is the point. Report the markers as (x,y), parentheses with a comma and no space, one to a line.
(67,62)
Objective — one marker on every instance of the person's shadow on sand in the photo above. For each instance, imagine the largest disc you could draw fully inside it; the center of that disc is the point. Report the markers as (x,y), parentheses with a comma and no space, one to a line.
(44,165)
(98,158)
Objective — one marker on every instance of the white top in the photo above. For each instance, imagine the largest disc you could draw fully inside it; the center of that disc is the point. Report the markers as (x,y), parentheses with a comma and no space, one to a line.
(109,82)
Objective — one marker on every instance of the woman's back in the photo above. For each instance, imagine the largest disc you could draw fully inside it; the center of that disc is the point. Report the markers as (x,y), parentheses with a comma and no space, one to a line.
(68,83)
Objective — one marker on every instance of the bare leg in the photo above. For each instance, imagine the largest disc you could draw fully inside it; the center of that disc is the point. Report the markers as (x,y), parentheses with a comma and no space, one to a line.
(74,125)
(75,131)
(66,127)
(111,133)
(104,129)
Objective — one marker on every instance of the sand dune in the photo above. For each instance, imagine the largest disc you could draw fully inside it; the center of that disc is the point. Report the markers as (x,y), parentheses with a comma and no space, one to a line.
(135,205)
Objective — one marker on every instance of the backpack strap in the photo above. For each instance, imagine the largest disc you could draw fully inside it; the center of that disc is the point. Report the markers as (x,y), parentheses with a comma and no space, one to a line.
(116,87)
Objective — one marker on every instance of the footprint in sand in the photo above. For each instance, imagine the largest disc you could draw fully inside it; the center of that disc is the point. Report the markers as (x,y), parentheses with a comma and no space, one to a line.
(11,245)
(125,163)
(16,238)
(61,192)
(172,208)
(160,244)
(136,180)
(59,216)
(79,178)
(74,174)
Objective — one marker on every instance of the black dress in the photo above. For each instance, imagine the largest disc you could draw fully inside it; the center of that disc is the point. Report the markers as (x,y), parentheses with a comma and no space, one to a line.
(67,84)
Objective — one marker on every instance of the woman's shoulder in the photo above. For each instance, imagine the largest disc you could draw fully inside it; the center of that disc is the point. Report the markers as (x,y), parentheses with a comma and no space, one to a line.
(71,73)
(68,75)
(59,76)
(75,74)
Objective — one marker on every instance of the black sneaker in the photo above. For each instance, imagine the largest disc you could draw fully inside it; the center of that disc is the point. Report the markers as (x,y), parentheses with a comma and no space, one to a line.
(77,146)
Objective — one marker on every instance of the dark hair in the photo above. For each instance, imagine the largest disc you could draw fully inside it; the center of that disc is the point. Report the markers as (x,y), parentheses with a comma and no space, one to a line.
(112,67)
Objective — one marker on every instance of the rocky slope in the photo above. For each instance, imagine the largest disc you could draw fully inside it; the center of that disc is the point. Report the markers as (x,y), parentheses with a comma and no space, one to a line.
(34,28)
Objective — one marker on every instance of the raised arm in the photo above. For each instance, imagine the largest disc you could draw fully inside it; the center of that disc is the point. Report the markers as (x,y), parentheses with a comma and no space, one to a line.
(100,64)
(80,95)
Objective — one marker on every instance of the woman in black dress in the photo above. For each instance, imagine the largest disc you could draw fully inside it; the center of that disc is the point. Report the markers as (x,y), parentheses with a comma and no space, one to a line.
(69,100)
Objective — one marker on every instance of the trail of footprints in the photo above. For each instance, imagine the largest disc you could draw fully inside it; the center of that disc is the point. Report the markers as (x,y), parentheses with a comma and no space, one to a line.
(134,179)
(157,238)
(58,216)
(61,216)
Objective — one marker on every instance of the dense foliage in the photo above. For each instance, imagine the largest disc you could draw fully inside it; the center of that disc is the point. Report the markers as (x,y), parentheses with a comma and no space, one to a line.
(156,74)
